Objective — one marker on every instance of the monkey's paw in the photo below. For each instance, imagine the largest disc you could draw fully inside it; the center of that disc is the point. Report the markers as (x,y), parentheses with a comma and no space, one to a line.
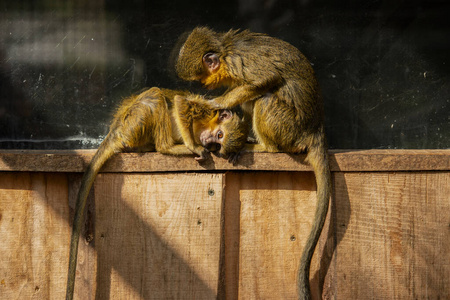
(215,104)
(202,155)
(200,158)
(234,157)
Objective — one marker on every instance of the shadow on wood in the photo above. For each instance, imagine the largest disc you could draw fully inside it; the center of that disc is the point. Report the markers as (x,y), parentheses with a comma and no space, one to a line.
(128,256)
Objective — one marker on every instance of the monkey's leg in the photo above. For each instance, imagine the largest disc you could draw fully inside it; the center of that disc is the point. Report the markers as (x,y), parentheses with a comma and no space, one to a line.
(261,148)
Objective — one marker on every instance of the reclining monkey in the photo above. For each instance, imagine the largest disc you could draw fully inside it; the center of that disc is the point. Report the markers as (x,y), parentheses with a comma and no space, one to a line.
(170,122)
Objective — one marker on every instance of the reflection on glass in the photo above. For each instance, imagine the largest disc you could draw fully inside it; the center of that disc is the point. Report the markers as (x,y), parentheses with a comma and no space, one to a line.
(383,68)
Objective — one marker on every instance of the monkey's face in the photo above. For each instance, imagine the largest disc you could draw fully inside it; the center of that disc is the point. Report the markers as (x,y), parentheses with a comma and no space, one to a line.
(193,53)
(214,133)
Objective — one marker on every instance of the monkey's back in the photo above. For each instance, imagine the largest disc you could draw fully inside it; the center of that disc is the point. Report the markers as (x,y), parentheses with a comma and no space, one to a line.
(141,120)
(291,90)
(264,56)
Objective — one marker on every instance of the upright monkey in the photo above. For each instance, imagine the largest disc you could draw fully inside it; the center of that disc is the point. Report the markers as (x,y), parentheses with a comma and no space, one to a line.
(275,82)
(161,120)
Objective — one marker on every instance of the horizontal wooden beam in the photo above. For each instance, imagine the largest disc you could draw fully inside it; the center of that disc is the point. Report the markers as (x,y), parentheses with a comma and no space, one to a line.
(340,160)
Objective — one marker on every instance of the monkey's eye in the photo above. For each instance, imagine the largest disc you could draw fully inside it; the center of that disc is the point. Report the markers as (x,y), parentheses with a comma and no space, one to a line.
(220,135)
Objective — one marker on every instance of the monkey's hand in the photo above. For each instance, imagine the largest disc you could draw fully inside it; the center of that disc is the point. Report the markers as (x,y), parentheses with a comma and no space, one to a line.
(201,152)
(217,104)
(200,158)
(234,157)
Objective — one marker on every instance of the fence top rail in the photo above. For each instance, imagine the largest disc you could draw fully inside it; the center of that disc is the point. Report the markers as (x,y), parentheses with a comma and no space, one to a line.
(340,161)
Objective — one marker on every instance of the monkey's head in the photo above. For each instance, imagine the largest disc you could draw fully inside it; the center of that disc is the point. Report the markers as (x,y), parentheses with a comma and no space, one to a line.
(226,133)
(200,58)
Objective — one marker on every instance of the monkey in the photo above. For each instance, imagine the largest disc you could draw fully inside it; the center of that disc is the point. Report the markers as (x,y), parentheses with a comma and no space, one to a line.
(223,133)
(275,83)
(161,120)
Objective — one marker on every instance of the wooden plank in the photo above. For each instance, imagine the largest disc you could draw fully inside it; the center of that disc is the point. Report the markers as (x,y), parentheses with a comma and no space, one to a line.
(276,213)
(393,238)
(158,236)
(349,161)
(34,235)
(232,222)
(162,236)
(389,160)
(86,283)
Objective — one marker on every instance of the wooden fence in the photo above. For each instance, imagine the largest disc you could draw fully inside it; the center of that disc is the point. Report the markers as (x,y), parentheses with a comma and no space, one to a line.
(162,227)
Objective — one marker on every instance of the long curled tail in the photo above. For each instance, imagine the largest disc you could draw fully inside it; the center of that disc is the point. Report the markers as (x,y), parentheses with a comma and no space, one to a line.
(318,158)
(105,151)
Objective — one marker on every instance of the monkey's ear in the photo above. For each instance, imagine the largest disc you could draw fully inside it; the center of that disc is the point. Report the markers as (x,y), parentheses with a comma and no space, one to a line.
(211,61)
(225,114)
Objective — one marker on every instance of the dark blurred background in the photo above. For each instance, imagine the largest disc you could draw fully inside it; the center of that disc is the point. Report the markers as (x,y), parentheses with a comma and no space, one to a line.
(383,66)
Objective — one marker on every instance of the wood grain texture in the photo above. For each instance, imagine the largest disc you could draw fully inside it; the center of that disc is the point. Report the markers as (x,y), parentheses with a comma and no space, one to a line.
(393,236)
(158,236)
(340,160)
(34,235)
(86,283)
(276,213)
(168,236)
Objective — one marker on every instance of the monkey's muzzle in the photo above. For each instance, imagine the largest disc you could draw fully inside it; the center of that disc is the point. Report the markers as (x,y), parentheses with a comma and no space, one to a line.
(213,147)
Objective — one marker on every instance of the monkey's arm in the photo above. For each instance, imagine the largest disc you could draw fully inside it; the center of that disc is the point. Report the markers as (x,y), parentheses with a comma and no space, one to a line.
(188,139)
(176,150)
(237,96)
(248,92)
(184,118)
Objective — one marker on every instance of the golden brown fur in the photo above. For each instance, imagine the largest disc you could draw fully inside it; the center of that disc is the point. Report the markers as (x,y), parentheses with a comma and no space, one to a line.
(170,122)
(276,84)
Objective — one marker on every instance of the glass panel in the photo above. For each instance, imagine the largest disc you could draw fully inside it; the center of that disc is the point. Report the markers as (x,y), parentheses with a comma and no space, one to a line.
(383,66)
